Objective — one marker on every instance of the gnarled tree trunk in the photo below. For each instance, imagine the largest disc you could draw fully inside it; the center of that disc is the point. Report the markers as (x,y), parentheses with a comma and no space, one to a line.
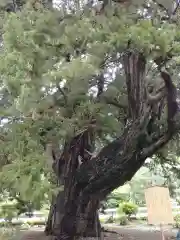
(72,216)
(74,222)
(74,212)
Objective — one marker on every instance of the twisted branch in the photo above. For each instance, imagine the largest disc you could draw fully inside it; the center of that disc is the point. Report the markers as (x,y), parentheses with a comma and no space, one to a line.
(173,127)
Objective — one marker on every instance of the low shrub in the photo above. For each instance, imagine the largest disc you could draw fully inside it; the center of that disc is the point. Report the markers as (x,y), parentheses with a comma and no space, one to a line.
(5,224)
(128,208)
(143,218)
(9,234)
(177,221)
(25,226)
(36,222)
(110,220)
(8,212)
(123,220)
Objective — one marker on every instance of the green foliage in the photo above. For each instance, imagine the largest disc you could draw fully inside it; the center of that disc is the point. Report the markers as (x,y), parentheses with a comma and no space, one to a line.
(128,208)
(143,219)
(45,98)
(110,220)
(8,233)
(112,203)
(114,199)
(177,221)
(8,212)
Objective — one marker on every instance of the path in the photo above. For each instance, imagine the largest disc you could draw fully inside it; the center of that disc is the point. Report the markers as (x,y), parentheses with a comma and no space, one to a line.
(122,233)
(135,233)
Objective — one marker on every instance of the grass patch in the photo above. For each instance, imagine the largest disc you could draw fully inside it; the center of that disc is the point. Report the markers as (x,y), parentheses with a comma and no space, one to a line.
(10,234)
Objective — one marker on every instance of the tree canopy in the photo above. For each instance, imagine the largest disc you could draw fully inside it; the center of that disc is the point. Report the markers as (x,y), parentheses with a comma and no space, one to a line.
(45,97)
(90,78)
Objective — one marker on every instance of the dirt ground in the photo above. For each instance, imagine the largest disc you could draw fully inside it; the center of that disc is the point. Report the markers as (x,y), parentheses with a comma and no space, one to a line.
(135,233)
(121,234)
(132,234)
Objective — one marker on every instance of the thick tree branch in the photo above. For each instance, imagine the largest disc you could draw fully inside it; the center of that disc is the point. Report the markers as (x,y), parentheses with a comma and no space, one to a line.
(112,159)
(149,151)
(134,67)
(63,93)
(172,105)
(115,156)
(152,99)
(122,165)
(176,8)
(173,126)
(119,161)
(161,141)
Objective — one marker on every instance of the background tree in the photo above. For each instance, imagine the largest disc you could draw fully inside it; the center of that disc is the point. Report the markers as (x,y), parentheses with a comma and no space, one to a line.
(91,92)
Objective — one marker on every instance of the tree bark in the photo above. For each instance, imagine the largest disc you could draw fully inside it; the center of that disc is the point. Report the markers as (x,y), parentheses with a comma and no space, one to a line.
(75,221)
(73,215)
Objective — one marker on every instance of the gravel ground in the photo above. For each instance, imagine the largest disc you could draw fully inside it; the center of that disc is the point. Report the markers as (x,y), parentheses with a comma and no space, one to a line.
(128,234)
(138,233)
(116,233)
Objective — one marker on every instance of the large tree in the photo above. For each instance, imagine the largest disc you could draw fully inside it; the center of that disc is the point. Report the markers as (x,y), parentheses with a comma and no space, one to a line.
(91,89)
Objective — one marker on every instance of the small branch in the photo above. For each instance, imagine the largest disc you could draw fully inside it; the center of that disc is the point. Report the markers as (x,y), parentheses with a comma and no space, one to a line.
(161,62)
(115,103)
(100,85)
(176,8)
(2,138)
(63,93)
(161,6)
(106,2)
